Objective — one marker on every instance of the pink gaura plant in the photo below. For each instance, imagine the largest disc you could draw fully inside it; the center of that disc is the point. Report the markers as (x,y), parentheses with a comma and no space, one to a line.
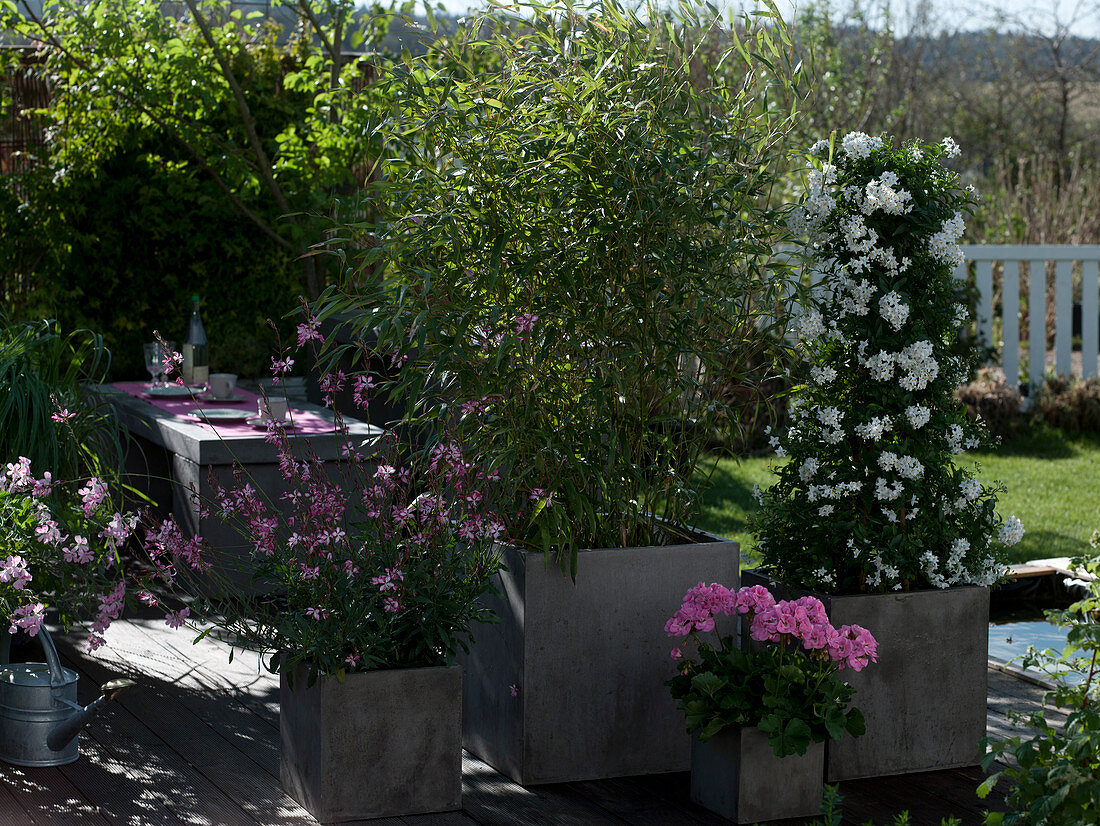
(377,561)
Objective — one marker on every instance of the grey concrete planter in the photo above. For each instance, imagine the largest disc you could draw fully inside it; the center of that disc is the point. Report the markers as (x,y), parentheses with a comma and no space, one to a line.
(737,775)
(587,663)
(925,698)
(380,744)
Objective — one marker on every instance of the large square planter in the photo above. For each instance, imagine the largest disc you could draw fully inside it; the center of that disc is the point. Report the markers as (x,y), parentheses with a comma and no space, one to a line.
(570,684)
(925,699)
(737,775)
(380,744)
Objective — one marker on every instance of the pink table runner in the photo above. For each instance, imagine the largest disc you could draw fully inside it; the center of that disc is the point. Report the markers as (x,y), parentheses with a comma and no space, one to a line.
(305,422)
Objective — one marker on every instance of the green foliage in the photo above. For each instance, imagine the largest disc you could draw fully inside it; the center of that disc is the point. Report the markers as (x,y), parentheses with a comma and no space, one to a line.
(42,371)
(1054,775)
(578,247)
(184,154)
(871,499)
(793,699)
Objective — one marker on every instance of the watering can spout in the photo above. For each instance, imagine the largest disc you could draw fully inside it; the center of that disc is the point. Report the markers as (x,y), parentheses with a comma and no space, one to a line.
(63,733)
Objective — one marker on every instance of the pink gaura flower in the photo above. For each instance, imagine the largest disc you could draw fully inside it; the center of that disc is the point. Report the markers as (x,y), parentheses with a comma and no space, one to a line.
(176,619)
(309,331)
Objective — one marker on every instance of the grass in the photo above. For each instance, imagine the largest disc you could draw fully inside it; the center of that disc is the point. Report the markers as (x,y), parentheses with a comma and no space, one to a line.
(1053,484)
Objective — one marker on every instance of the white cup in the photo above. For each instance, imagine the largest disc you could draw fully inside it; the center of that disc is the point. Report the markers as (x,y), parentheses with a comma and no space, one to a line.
(222,385)
(271,409)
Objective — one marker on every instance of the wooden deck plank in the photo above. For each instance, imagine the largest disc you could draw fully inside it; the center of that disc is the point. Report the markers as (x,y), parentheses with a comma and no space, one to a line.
(47,796)
(493,800)
(163,766)
(200,738)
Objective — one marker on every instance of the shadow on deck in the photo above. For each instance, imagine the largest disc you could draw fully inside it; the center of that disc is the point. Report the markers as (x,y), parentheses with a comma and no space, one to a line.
(198,743)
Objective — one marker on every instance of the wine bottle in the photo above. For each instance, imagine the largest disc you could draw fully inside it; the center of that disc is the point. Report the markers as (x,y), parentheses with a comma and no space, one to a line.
(196,354)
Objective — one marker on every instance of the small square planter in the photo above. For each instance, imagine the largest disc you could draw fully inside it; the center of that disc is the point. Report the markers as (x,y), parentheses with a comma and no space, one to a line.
(380,744)
(925,699)
(570,684)
(737,775)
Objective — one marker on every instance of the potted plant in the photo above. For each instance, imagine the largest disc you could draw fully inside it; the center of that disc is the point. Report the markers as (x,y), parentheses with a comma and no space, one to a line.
(869,509)
(577,250)
(761,713)
(369,586)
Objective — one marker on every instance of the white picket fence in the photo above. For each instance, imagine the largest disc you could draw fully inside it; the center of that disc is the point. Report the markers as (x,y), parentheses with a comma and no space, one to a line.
(1036,258)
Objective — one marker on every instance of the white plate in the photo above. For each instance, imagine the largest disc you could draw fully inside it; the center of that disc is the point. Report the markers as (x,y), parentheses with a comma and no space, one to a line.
(169,391)
(206,397)
(260,423)
(219,414)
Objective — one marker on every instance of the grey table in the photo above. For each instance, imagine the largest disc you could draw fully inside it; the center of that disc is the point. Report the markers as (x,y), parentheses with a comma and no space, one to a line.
(174,461)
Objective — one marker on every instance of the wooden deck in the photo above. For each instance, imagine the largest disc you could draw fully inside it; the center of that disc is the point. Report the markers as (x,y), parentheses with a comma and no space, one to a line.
(198,743)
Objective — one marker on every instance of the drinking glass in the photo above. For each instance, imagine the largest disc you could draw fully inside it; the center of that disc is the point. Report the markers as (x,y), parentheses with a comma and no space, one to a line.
(154,361)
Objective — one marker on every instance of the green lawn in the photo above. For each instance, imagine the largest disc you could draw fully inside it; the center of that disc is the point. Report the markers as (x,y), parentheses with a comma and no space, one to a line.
(1053,486)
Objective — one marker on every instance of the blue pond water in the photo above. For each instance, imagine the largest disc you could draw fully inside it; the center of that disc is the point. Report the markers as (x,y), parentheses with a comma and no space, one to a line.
(1010,638)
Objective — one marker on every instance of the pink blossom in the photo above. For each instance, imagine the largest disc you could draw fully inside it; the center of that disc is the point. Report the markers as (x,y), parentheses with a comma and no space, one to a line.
(391,605)
(308,331)
(147,598)
(49,533)
(18,476)
(14,569)
(79,553)
(352,660)
(27,618)
(524,324)
(676,653)
(92,495)
(513,690)
(176,619)
(317,613)
(360,387)
(63,415)
(280,367)
(43,487)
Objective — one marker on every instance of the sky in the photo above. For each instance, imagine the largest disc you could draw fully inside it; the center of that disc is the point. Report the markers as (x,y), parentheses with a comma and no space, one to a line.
(1079,17)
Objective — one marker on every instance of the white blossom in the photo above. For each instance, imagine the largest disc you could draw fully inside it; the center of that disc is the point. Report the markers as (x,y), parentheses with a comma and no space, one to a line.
(808,469)
(823,375)
(918,415)
(893,310)
(1011,532)
(857,145)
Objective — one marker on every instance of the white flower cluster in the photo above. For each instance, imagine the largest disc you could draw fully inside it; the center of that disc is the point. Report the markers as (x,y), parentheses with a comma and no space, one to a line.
(823,375)
(951,149)
(874,429)
(907,467)
(808,469)
(970,489)
(888,491)
(918,365)
(811,325)
(880,194)
(955,438)
(931,565)
(918,415)
(962,313)
(881,366)
(882,572)
(809,217)
(893,309)
(858,145)
(824,510)
(815,492)
(944,245)
(830,416)
(853,296)
(1011,532)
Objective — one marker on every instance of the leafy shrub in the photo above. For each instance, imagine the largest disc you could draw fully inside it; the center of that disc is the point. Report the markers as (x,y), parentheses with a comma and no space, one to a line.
(45,414)
(1054,776)
(1070,404)
(994,404)
(578,248)
(871,499)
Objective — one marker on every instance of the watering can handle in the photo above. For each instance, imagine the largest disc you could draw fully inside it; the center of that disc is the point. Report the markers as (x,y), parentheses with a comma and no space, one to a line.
(57,676)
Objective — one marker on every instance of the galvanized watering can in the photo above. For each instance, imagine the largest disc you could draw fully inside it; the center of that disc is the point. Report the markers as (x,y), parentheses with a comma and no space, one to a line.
(39,715)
